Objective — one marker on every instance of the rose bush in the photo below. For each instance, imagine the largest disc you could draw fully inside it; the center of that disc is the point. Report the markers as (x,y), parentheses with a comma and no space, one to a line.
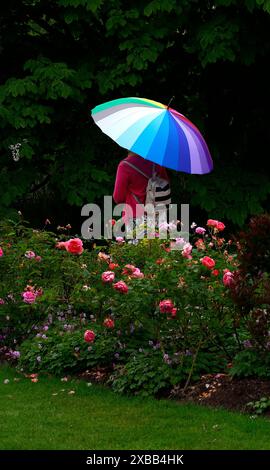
(60,306)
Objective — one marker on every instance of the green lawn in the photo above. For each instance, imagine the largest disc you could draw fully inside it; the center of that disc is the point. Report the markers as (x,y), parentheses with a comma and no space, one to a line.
(44,416)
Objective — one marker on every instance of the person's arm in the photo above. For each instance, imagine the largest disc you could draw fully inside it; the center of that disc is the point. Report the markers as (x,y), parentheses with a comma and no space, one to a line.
(121,184)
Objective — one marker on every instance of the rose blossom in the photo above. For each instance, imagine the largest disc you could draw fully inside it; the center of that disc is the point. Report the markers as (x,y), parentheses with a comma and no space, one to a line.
(61,245)
(103,257)
(2,301)
(39,292)
(119,239)
(208,262)
(228,278)
(215,272)
(29,297)
(174,311)
(109,323)
(200,230)
(166,306)
(30,254)
(75,246)
(1,251)
(219,226)
(137,274)
(129,269)
(200,244)
(121,287)
(112,266)
(89,336)
(179,241)
(187,249)
(108,276)
(211,223)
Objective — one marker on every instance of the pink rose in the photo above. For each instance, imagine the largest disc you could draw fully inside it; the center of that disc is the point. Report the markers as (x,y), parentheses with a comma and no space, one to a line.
(29,254)
(75,246)
(2,301)
(180,241)
(129,269)
(208,262)
(166,306)
(137,274)
(61,245)
(38,258)
(187,249)
(39,292)
(211,223)
(109,323)
(29,297)
(89,336)
(104,257)
(121,287)
(108,276)
(1,251)
(200,230)
(228,278)
(119,239)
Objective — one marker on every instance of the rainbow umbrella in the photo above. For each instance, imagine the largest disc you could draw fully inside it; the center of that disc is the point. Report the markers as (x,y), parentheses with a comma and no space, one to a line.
(156,132)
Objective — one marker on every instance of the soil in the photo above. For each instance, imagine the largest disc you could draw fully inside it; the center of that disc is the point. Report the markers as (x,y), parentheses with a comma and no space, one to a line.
(220,390)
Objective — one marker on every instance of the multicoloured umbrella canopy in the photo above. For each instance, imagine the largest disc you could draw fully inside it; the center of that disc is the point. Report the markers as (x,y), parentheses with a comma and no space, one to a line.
(156,132)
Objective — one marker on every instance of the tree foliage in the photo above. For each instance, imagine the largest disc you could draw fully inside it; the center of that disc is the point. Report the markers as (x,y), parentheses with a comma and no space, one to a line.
(61,58)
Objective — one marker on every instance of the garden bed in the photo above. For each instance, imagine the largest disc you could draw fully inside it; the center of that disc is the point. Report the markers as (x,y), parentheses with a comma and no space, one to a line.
(220,390)
(214,390)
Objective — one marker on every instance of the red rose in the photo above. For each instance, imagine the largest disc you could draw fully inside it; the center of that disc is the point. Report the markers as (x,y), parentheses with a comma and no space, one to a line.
(220,226)
(109,323)
(208,262)
(112,266)
(89,336)
(215,272)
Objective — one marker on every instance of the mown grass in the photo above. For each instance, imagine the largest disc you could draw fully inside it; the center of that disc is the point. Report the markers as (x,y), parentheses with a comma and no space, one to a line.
(43,415)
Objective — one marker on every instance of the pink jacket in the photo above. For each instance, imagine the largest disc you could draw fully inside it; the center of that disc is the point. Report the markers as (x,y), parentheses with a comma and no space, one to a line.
(129,181)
